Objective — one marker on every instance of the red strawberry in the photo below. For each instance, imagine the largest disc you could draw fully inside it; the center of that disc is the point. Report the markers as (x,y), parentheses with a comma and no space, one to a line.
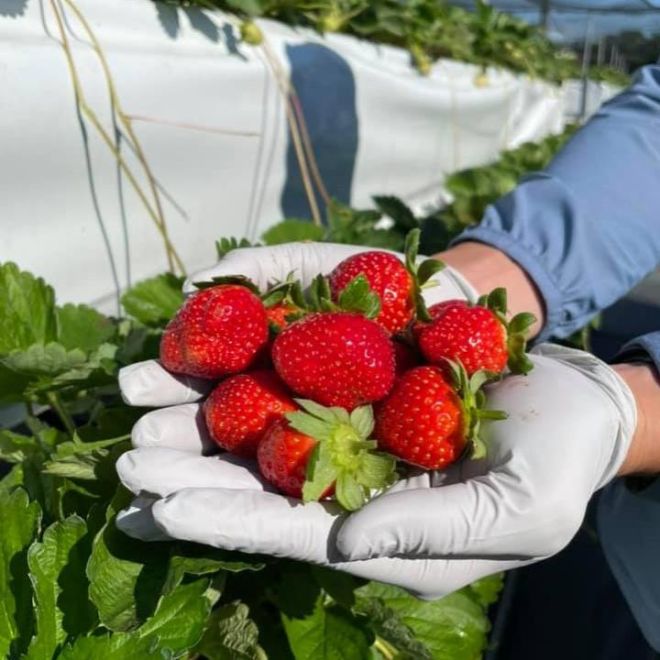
(478,336)
(335,358)
(398,286)
(283,454)
(218,331)
(240,409)
(424,421)
(319,450)
(387,276)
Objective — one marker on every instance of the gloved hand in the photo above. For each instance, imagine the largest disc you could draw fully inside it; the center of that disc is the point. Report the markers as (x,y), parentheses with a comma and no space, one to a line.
(569,428)
(148,384)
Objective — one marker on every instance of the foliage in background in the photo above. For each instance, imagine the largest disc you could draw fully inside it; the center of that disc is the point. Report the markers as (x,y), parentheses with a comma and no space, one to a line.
(428,29)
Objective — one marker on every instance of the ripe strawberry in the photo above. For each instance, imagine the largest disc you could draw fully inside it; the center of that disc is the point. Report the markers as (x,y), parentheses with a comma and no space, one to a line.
(397,285)
(335,358)
(478,336)
(283,454)
(240,409)
(426,422)
(387,277)
(319,450)
(218,331)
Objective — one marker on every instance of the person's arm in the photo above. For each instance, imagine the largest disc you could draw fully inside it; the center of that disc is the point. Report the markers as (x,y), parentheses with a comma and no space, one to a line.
(587,229)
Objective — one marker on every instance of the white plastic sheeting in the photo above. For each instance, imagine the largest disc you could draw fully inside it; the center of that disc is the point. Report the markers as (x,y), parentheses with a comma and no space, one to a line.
(212,123)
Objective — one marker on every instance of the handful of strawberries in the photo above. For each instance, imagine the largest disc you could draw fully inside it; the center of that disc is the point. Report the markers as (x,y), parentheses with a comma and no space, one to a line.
(328,388)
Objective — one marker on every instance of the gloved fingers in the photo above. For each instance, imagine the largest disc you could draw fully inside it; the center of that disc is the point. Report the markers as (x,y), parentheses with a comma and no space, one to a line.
(150,384)
(137,521)
(162,471)
(495,516)
(250,521)
(448,284)
(428,579)
(265,265)
(177,427)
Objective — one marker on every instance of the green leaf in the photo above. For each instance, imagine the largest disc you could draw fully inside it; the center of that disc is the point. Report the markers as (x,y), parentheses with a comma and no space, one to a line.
(231,635)
(154,301)
(454,627)
(309,425)
(350,494)
(291,230)
(20,522)
(325,414)
(176,627)
(396,209)
(15,448)
(82,327)
(126,576)
(327,634)
(362,420)
(427,269)
(487,590)
(376,470)
(521,322)
(57,573)
(225,245)
(321,473)
(357,296)
(27,309)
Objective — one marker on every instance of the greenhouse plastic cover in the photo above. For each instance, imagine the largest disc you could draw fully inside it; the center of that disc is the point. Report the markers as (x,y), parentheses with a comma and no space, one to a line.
(211,120)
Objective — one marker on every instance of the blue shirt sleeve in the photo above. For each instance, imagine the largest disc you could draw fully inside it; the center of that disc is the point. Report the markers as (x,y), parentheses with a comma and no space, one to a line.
(587,229)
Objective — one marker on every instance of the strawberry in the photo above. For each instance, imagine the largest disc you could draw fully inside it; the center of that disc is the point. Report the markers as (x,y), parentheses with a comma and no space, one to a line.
(387,277)
(397,285)
(218,331)
(479,336)
(283,455)
(240,409)
(336,358)
(427,422)
(317,451)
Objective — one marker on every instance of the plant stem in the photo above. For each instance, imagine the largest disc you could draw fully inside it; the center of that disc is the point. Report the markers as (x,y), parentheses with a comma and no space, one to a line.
(385,649)
(57,405)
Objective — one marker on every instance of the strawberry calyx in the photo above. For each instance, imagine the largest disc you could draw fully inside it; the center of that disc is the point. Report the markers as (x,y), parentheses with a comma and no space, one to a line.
(420,273)
(516,329)
(344,455)
(288,294)
(473,401)
(356,296)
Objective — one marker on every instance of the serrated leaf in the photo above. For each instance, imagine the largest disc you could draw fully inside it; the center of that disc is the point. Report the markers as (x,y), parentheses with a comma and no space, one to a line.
(57,572)
(20,522)
(487,590)
(291,230)
(455,626)
(231,635)
(350,494)
(82,327)
(328,415)
(327,634)
(357,296)
(154,301)
(176,627)
(27,310)
(224,246)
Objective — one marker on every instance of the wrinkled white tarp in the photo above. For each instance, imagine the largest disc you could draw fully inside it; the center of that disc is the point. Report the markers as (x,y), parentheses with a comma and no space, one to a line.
(212,123)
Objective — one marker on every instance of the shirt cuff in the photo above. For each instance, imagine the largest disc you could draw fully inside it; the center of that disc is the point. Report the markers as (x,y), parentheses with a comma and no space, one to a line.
(645,348)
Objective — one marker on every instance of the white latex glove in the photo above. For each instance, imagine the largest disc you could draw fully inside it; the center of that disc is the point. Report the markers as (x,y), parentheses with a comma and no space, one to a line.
(148,384)
(569,427)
